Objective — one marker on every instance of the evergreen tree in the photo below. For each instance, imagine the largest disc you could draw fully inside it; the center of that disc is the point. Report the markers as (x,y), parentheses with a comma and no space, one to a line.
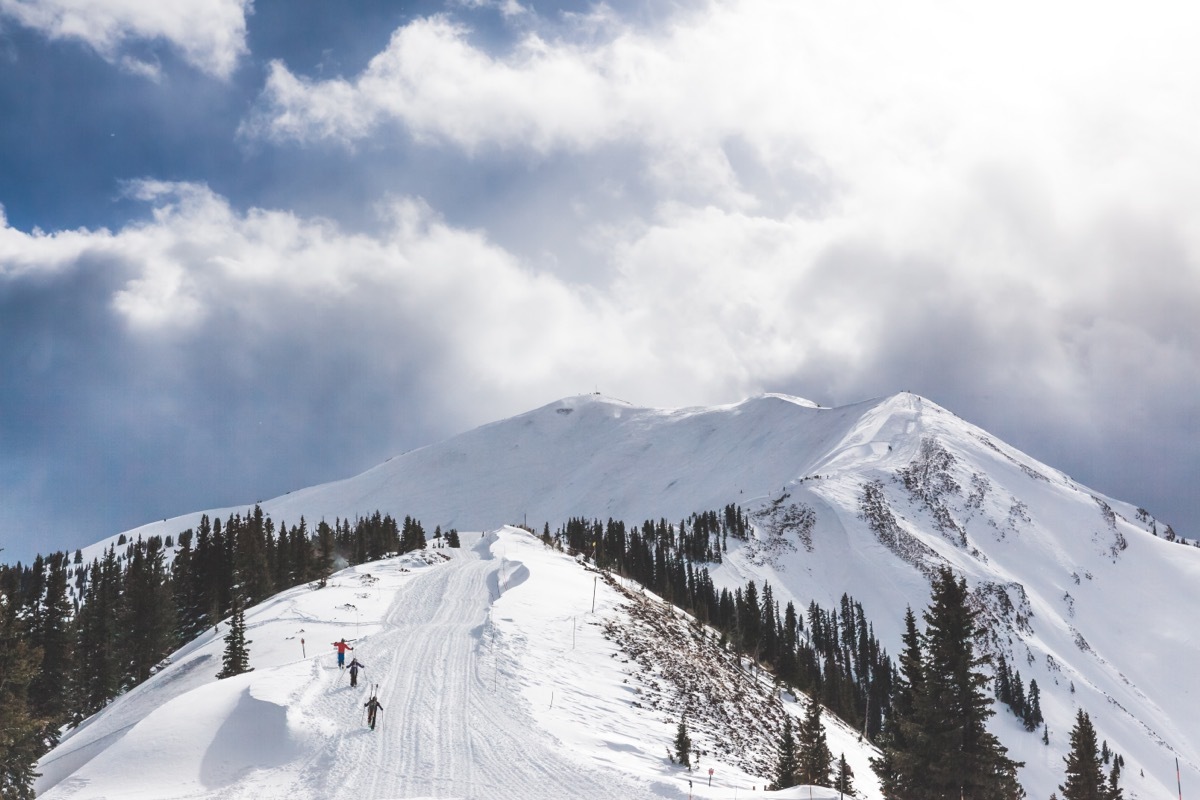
(54,635)
(20,732)
(965,759)
(813,754)
(236,659)
(1033,715)
(97,673)
(148,619)
(1084,777)
(253,558)
(412,535)
(1020,704)
(903,761)
(936,743)
(1003,683)
(452,537)
(844,777)
(787,766)
(1113,789)
(683,744)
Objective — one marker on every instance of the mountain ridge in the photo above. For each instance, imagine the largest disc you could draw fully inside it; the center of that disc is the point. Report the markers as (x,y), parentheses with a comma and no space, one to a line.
(866,499)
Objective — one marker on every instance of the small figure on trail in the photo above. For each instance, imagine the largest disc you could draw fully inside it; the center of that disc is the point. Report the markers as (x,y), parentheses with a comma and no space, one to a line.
(354,666)
(342,647)
(373,705)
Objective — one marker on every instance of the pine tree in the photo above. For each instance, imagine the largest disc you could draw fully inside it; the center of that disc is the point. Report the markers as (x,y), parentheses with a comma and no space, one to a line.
(1020,704)
(148,611)
(787,766)
(1003,683)
(903,761)
(936,743)
(96,677)
(54,634)
(20,732)
(1084,777)
(236,659)
(965,759)
(844,777)
(1033,718)
(683,744)
(813,752)
(1113,789)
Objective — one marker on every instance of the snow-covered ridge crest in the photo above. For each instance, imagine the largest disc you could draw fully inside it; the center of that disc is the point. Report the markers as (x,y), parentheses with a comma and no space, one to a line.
(1079,591)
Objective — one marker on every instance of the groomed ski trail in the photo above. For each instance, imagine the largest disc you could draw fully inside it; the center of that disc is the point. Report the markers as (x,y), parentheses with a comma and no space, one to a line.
(450,726)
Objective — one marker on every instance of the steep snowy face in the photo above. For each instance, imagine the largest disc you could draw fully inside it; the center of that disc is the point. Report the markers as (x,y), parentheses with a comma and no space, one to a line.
(1078,591)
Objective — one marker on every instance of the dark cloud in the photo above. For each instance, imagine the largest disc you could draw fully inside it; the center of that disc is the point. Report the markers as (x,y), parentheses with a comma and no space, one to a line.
(103,429)
(315,262)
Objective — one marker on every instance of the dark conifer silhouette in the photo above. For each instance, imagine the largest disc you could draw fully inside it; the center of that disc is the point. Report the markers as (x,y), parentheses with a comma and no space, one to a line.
(236,659)
(787,764)
(1084,778)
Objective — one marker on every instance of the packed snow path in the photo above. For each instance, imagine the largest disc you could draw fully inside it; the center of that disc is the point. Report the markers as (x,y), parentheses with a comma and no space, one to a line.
(453,723)
(449,727)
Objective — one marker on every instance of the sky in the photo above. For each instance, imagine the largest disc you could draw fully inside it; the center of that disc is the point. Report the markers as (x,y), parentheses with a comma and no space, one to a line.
(251,247)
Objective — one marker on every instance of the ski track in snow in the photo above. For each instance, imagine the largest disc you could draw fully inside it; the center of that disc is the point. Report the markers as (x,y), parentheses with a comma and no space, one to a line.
(448,727)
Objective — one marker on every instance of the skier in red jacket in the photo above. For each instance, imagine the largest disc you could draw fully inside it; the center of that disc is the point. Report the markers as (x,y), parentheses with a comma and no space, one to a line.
(342,647)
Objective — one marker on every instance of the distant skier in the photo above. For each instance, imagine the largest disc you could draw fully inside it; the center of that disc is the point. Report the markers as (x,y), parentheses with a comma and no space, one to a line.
(342,647)
(373,705)
(354,666)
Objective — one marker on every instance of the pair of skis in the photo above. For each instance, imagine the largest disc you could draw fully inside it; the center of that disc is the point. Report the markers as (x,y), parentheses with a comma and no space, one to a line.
(372,707)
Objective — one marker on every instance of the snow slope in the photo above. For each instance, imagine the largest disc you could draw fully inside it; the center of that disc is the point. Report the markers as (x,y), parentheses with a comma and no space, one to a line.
(1079,591)
(489,689)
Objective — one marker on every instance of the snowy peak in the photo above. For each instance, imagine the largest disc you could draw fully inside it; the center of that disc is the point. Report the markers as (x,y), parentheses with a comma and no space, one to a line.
(1081,592)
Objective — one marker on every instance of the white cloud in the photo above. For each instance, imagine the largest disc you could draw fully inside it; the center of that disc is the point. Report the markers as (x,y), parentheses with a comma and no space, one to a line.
(209,34)
(993,141)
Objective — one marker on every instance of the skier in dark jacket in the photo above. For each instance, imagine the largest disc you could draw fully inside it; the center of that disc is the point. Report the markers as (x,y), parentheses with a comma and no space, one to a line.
(373,705)
(354,666)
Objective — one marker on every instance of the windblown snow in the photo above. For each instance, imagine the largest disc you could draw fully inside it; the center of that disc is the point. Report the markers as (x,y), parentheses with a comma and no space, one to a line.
(497,678)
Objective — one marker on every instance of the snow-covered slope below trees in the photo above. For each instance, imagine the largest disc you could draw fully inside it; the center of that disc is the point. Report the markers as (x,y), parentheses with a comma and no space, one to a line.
(497,676)
(1082,592)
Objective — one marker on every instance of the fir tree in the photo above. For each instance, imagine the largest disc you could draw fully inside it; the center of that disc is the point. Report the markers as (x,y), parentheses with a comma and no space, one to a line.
(54,634)
(1113,789)
(902,760)
(936,743)
(815,759)
(148,612)
(1084,777)
(236,659)
(965,759)
(20,732)
(844,777)
(787,766)
(683,744)
(97,673)
(1033,716)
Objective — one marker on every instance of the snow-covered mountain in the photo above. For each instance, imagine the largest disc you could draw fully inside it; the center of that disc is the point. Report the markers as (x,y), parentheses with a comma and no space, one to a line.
(1082,592)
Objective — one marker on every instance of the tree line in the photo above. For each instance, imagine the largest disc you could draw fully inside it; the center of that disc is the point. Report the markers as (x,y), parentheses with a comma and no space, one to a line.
(832,654)
(77,635)
(70,651)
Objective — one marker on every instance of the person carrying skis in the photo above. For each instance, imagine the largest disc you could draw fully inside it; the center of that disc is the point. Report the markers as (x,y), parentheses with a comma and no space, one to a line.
(355,665)
(342,647)
(373,705)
